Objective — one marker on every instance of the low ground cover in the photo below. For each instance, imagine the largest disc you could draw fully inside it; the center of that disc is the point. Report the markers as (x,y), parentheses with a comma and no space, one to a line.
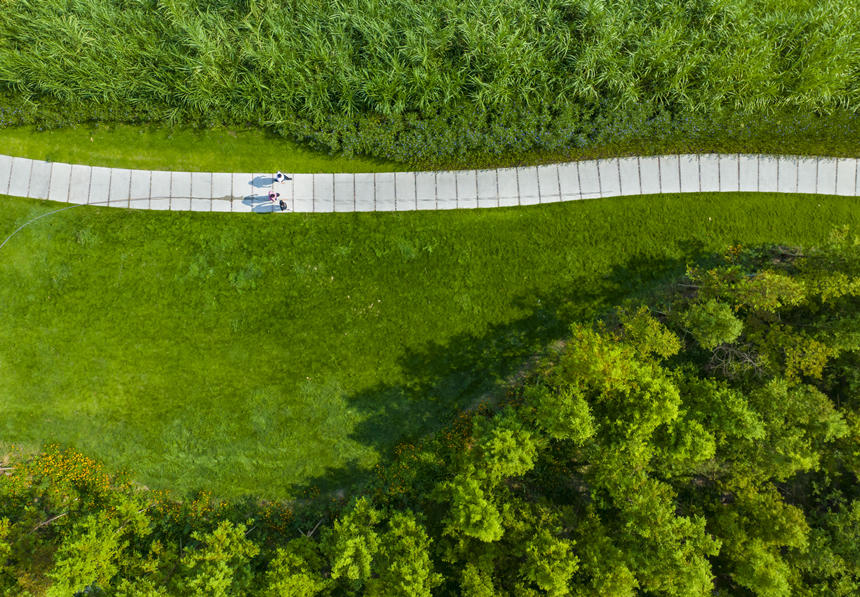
(267,354)
(153,147)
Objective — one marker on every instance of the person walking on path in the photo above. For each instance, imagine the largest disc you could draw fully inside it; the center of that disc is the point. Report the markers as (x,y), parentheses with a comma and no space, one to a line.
(273,196)
(282,205)
(281,177)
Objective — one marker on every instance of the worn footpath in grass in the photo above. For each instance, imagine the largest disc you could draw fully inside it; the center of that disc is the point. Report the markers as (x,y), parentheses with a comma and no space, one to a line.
(251,354)
(184,148)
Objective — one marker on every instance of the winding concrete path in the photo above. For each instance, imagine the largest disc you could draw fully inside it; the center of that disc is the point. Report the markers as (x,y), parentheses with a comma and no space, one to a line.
(406,191)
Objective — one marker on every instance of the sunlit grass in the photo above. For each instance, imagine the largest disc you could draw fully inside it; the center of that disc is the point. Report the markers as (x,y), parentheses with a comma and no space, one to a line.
(218,149)
(257,354)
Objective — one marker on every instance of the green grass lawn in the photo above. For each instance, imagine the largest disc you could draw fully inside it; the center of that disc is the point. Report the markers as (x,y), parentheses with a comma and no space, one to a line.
(154,147)
(251,354)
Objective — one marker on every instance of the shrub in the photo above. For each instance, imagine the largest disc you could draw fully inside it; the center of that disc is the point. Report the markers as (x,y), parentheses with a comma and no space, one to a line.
(712,323)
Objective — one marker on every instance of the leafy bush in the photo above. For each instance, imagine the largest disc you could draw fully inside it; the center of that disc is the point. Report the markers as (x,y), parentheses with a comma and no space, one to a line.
(712,323)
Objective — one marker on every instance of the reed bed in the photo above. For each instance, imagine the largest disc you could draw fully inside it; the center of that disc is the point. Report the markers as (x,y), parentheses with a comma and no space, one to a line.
(436,81)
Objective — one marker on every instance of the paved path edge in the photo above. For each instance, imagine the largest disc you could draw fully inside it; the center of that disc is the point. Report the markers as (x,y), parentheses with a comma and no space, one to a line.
(233,192)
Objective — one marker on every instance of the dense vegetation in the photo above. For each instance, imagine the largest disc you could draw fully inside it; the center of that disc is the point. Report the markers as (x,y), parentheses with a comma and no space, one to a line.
(448,81)
(706,438)
(316,342)
(574,399)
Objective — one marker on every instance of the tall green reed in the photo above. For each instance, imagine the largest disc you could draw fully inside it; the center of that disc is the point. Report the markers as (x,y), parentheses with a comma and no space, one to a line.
(428,80)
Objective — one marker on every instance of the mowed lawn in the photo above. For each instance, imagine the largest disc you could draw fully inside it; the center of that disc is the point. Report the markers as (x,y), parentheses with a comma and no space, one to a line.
(156,147)
(255,354)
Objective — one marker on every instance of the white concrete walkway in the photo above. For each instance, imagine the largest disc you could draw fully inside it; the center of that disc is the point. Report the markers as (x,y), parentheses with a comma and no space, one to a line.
(405,191)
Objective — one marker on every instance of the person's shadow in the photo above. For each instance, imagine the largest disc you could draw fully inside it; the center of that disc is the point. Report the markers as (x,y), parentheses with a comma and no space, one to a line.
(260,204)
(263,181)
(266,181)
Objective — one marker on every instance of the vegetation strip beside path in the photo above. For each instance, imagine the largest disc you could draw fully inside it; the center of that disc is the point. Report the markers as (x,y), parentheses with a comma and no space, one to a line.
(406,191)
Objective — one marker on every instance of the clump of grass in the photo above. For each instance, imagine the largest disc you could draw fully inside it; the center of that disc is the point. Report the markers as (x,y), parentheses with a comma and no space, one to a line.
(441,82)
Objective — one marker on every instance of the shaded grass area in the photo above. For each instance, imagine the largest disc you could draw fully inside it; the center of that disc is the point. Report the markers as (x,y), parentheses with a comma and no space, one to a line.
(269,355)
(156,147)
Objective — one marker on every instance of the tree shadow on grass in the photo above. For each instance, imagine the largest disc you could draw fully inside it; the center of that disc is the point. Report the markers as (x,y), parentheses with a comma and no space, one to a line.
(446,377)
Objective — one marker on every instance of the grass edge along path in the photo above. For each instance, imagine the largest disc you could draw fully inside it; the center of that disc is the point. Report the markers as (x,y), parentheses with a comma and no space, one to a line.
(154,147)
(249,149)
(267,356)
